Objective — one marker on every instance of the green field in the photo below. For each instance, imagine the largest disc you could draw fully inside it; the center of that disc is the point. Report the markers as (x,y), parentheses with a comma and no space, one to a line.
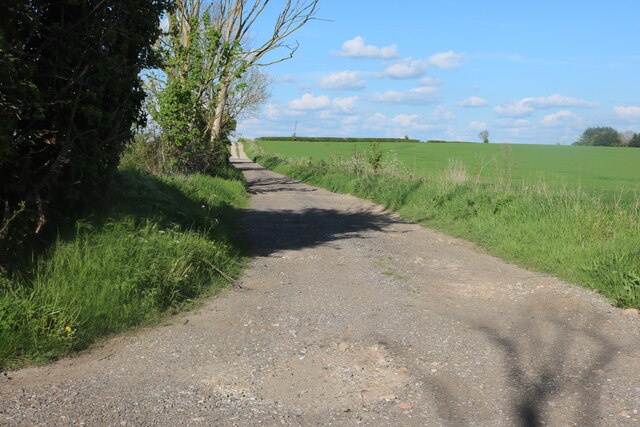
(573,212)
(592,169)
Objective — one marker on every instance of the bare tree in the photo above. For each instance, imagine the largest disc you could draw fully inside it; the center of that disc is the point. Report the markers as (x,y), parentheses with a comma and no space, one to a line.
(235,20)
(248,92)
(626,137)
(484,136)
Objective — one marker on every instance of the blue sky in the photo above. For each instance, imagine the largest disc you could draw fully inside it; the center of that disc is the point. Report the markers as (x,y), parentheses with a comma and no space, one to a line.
(536,72)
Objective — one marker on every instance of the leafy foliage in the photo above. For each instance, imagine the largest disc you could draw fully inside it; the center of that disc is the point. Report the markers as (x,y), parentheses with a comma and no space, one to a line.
(193,54)
(69,96)
(606,136)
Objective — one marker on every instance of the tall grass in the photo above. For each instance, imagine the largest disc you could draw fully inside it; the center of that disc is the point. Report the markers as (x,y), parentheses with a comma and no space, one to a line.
(155,245)
(578,236)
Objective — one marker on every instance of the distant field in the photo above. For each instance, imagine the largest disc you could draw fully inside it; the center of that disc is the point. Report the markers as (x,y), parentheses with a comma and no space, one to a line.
(593,169)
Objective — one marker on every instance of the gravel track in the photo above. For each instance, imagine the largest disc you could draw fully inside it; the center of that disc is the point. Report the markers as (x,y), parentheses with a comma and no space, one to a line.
(348,316)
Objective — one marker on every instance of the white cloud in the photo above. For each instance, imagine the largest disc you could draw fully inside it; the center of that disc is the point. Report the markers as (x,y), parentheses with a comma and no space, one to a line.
(527,106)
(345,104)
(442,113)
(350,120)
(343,80)
(561,118)
(473,101)
(629,113)
(357,48)
(404,119)
(270,111)
(514,109)
(477,126)
(446,60)
(310,102)
(507,122)
(407,69)
(417,96)
(558,100)
(430,81)
(279,112)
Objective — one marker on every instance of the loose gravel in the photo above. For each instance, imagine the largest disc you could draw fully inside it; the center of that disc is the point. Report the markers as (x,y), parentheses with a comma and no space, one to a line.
(349,316)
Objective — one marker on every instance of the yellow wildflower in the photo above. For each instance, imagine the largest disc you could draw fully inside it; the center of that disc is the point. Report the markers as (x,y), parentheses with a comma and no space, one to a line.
(68,328)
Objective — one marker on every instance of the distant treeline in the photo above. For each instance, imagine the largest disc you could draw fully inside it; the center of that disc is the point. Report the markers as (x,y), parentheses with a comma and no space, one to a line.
(332,139)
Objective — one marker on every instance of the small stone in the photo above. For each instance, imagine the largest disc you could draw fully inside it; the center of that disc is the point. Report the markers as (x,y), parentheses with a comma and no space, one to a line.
(405,405)
(343,346)
(630,312)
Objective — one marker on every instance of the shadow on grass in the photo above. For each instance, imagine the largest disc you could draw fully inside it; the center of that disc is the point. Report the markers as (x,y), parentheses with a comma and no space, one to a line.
(143,197)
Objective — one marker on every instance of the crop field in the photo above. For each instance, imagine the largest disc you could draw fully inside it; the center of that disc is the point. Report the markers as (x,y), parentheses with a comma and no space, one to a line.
(591,169)
(568,211)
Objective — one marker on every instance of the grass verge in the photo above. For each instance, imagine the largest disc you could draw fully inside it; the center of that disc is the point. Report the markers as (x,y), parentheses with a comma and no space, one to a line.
(157,243)
(576,236)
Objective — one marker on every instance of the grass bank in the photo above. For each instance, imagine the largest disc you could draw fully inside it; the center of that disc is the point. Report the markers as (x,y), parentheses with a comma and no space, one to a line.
(577,236)
(154,245)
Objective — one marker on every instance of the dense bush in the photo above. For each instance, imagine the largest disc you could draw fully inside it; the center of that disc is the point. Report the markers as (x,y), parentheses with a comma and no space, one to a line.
(606,136)
(69,96)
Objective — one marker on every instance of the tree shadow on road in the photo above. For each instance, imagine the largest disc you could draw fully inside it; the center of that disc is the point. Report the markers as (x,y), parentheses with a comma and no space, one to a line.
(272,231)
(544,358)
(549,369)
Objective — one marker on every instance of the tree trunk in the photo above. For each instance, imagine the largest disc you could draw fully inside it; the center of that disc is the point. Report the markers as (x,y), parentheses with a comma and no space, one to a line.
(216,129)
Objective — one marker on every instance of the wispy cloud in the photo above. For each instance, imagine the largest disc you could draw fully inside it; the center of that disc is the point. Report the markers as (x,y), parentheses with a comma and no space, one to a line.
(477,126)
(357,48)
(628,113)
(442,114)
(287,78)
(345,104)
(446,60)
(473,101)
(343,80)
(430,81)
(527,106)
(417,96)
(561,118)
(404,119)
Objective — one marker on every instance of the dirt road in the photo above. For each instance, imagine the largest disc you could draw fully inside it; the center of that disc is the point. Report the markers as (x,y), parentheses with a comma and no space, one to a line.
(349,316)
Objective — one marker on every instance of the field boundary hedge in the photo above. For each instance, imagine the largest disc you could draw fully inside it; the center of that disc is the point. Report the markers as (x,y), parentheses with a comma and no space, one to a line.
(332,139)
